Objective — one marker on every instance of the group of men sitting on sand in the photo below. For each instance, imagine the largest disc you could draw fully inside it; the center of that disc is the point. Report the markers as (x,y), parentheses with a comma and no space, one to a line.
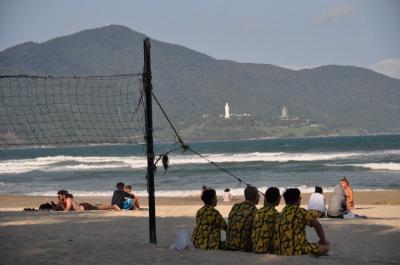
(261,231)
(122,199)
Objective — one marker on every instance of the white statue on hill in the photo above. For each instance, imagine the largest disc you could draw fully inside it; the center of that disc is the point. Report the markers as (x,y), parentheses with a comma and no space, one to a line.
(285,114)
(227,115)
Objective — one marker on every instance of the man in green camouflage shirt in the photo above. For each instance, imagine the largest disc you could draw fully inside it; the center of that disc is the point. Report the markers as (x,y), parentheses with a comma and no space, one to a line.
(240,221)
(209,223)
(264,222)
(290,235)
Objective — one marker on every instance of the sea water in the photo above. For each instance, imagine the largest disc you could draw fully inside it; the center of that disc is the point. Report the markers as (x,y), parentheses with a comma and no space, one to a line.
(370,163)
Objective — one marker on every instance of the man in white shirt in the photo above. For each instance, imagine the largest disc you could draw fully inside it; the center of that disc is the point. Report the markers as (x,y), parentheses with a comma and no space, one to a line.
(227,197)
(316,204)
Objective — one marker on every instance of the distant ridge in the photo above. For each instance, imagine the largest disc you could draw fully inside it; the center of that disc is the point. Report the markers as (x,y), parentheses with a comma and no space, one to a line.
(343,99)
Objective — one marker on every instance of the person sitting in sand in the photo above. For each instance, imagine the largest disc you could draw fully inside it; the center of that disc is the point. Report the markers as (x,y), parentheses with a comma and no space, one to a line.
(240,221)
(227,197)
(348,193)
(290,235)
(209,223)
(128,201)
(264,222)
(336,203)
(349,201)
(316,203)
(119,196)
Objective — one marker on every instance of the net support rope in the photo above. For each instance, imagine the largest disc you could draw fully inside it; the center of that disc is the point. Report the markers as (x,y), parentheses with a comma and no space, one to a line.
(185,147)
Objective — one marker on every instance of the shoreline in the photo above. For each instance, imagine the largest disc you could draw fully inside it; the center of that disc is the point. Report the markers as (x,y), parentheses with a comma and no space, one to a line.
(19,202)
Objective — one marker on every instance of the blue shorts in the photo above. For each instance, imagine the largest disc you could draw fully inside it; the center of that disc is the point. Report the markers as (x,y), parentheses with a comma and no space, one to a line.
(127,204)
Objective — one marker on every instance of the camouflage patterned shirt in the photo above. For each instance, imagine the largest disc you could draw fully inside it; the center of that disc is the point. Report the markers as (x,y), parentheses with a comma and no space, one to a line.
(263,230)
(207,233)
(240,225)
(290,235)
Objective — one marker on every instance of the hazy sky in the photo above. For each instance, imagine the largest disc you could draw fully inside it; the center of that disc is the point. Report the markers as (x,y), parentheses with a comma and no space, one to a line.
(293,34)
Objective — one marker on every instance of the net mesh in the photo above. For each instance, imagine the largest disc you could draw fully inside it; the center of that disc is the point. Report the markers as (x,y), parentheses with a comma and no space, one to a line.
(38,110)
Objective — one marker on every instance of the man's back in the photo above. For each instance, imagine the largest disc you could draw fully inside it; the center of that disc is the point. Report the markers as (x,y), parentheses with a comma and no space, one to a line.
(207,233)
(118,197)
(336,203)
(263,229)
(317,202)
(290,235)
(240,224)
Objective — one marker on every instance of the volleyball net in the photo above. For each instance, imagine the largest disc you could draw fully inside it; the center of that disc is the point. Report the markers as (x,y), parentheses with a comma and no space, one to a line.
(45,110)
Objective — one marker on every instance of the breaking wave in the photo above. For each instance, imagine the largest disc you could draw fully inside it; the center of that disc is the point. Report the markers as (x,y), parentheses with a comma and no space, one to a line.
(87,163)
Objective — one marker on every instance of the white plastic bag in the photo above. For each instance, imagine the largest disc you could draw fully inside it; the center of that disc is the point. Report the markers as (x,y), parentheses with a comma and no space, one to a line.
(182,240)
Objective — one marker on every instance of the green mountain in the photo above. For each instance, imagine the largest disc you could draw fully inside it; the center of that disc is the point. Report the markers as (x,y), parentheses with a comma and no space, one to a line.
(194,87)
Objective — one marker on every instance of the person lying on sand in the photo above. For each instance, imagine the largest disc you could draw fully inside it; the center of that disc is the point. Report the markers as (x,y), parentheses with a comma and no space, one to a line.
(69,204)
(264,222)
(240,221)
(290,234)
(61,198)
(209,223)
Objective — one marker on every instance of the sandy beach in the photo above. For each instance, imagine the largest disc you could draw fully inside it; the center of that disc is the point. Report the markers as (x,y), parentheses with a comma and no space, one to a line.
(108,237)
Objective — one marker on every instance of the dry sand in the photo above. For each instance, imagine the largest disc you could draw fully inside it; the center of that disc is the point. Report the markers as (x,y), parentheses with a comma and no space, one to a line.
(108,237)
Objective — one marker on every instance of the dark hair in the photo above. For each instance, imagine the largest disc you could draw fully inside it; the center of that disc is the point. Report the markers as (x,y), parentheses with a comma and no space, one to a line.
(251,193)
(271,195)
(291,195)
(69,195)
(62,192)
(204,188)
(318,189)
(120,185)
(128,187)
(227,190)
(208,196)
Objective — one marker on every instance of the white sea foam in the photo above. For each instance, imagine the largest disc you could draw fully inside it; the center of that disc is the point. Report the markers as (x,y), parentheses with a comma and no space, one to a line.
(378,166)
(58,163)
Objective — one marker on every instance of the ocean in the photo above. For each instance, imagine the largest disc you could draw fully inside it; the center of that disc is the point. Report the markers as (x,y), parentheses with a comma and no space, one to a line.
(370,163)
